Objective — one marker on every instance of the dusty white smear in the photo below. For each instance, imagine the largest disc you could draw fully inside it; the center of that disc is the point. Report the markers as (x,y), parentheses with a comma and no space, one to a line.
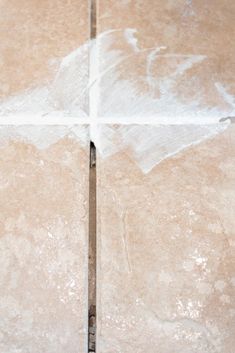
(119,98)
(108,76)
(142,85)
(149,145)
(43,136)
(66,96)
(111,80)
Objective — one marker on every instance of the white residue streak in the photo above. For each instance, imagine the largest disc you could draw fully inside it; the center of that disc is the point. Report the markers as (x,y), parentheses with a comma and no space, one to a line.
(117,91)
(65,97)
(227,97)
(149,145)
(125,85)
(143,84)
(43,136)
(129,34)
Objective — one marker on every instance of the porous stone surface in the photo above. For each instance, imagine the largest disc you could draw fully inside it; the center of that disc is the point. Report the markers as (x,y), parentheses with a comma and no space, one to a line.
(35,35)
(166,250)
(171,58)
(44,59)
(43,239)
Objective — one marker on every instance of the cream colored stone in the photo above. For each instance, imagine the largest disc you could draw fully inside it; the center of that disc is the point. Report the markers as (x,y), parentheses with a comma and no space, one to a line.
(35,37)
(43,240)
(166,59)
(164,276)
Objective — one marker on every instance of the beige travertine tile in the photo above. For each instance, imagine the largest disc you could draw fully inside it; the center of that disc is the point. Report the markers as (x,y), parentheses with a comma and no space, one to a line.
(166,241)
(42,46)
(43,239)
(166,59)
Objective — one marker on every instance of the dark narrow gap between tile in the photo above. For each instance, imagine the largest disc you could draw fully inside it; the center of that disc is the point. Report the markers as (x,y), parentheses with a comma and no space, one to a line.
(92,252)
(92,221)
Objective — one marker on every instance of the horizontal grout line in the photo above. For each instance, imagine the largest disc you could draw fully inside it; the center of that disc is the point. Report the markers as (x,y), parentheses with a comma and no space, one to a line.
(68,121)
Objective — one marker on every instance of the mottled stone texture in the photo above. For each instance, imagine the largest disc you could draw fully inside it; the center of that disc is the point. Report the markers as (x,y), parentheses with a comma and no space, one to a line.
(34,34)
(180,52)
(166,251)
(43,243)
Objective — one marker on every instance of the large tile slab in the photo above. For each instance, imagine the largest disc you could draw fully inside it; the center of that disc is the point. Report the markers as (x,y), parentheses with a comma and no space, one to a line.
(166,239)
(166,60)
(43,45)
(43,239)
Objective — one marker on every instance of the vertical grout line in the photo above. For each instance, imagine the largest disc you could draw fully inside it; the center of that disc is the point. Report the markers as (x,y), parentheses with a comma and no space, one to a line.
(92,210)
(92,253)
(93,70)
(93,9)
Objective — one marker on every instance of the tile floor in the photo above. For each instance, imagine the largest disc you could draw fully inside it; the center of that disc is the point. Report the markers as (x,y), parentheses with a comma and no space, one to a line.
(157,93)
(43,239)
(173,59)
(166,245)
(44,57)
